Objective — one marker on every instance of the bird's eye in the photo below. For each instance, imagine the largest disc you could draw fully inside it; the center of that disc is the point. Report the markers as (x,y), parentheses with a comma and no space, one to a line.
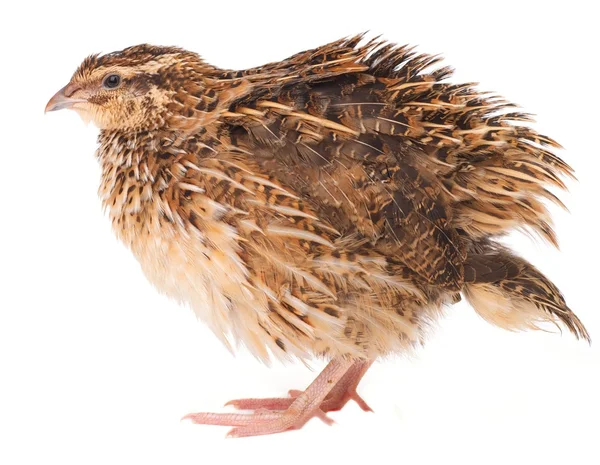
(112,81)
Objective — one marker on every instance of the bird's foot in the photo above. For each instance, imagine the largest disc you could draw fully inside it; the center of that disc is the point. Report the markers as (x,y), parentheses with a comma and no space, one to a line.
(274,414)
(330,391)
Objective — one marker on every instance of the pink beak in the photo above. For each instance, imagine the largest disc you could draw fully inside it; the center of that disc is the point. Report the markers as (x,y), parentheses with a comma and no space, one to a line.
(63,98)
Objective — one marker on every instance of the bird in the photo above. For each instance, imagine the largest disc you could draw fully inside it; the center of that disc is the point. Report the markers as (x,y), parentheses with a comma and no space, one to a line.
(329,206)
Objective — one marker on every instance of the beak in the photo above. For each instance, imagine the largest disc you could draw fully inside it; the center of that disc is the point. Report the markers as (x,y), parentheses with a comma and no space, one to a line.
(62,99)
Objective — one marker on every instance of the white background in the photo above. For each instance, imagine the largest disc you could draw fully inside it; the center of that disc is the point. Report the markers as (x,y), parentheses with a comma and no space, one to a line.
(97,368)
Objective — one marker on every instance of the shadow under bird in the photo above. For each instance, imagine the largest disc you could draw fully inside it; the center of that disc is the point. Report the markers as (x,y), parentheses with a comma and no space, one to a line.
(328,205)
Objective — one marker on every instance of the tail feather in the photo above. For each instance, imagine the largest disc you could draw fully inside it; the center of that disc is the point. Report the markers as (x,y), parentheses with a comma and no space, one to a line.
(511,293)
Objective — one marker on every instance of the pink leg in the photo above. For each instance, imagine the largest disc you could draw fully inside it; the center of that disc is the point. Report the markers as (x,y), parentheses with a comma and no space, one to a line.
(295,415)
(343,391)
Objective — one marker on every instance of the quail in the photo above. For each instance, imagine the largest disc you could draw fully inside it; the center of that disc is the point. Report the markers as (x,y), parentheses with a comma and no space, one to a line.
(329,205)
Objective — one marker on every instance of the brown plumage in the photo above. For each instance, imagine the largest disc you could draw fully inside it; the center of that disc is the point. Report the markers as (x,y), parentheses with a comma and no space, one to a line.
(327,205)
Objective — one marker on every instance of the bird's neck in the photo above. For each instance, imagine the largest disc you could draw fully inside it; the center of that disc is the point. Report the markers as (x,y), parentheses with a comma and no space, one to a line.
(135,172)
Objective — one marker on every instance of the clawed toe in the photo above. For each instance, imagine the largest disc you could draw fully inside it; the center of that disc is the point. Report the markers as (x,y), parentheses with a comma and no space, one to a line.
(272,403)
(258,423)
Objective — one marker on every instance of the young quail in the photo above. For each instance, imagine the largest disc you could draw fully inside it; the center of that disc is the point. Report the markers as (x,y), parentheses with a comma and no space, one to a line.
(327,205)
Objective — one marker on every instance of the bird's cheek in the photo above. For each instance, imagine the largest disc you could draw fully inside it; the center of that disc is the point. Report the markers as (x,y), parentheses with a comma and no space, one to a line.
(85,114)
(91,113)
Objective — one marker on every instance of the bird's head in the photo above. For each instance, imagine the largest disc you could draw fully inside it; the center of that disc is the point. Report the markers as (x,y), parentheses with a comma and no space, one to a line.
(135,88)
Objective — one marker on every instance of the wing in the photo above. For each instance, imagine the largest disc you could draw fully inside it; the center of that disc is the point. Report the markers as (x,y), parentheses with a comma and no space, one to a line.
(341,144)
(380,146)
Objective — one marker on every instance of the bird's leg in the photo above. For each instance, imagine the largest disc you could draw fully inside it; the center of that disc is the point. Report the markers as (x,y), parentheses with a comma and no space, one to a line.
(342,392)
(345,389)
(294,416)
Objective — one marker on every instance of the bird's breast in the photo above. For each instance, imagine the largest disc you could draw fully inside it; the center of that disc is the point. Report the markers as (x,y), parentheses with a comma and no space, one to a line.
(200,269)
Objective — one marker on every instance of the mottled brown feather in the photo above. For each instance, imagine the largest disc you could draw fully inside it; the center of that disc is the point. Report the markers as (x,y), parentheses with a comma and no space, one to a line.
(330,203)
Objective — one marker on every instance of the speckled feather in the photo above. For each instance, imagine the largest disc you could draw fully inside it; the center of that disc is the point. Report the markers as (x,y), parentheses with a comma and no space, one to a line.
(329,204)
